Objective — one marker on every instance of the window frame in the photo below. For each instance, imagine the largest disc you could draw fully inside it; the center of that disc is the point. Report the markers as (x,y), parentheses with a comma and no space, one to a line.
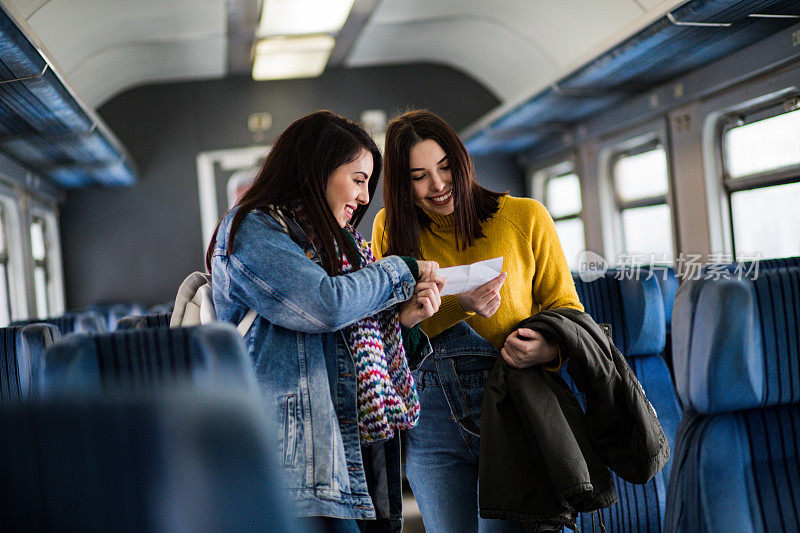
(44,264)
(767,178)
(633,141)
(542,175)
(556,167)
(39,210)
(648,201)
(760,108)
(5,263)
(11,204)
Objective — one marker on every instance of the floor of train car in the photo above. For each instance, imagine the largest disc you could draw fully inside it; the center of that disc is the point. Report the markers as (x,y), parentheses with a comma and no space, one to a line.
(412,519)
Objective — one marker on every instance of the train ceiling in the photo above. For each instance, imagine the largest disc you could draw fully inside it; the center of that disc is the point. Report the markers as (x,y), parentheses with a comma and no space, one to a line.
(44,128)
(539,57)
(512,47)
(687,38)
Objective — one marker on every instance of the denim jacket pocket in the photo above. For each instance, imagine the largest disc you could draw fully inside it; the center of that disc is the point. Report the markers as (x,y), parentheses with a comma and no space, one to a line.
(290,424)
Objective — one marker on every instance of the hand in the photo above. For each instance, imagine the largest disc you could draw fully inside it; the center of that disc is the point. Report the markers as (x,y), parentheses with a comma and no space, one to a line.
(427,272)
(427,269)
(422,305)
(484,300)
(525,348)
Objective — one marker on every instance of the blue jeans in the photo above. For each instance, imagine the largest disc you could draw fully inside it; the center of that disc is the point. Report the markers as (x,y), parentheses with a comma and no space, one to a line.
(441,454)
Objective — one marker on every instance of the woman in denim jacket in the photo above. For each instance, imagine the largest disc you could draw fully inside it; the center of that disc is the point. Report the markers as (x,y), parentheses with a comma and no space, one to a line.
(434,209)
(327,344)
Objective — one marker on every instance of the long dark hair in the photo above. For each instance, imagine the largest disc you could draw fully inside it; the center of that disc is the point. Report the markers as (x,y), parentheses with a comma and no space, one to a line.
(297,168)
(473,204)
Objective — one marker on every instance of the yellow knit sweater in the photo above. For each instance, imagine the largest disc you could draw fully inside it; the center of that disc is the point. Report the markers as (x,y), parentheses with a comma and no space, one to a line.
(524,234)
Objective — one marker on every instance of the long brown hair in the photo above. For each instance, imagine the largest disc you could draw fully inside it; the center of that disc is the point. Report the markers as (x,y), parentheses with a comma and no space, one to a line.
(473,204)
(297,168)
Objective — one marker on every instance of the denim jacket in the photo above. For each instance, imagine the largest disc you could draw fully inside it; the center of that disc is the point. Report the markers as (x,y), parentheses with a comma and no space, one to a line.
(303,364)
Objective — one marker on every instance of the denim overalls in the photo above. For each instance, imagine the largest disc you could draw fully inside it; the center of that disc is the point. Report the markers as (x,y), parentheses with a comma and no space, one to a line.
(442,451)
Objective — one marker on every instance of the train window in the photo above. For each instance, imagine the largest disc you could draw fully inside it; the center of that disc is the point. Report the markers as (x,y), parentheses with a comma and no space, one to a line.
(640,182)
(559,189)
(5,293)
(642,175)
(761,161)
(762,145)
(765,221)
(40,275)
(562,197)
(13,293)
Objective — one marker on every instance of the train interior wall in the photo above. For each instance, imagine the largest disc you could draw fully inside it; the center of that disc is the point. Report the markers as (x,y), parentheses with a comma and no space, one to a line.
(685,116)
(153,228)
(138,243)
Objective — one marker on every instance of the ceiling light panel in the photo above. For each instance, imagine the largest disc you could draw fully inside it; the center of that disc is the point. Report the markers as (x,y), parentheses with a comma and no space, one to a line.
(278,58)
(298,17)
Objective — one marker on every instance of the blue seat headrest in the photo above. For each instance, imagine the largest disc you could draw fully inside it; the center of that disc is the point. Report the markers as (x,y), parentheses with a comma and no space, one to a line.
(147,358)
(72,322)
(668,283)
(21,351)
(183,461)
(736,342)
(633,307)
(111,313)
(155,320)
(781,262)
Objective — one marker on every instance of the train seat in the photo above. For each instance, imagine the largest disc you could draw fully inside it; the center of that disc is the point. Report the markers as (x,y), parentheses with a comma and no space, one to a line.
(112,313)
(166,307)
(72,322)
(743,269)
(634,308)
(668,283)
(155,320)
(781,262)
(144,359)
(737,364)
(22,350)
(177,462)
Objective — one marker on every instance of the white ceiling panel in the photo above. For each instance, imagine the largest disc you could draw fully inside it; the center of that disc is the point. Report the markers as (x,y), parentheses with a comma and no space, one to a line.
(513,47)
(656,4)
(113,70)
(103,47)
(503,62)
(564,30)
(122,22)
(26,8)
(526,17)
(510,43)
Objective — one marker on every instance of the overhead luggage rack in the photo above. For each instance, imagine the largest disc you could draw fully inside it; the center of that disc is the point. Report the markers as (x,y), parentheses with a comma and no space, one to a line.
(45,128)
(691,36)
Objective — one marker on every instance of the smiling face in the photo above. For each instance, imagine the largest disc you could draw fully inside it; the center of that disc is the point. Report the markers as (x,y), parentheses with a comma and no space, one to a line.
(432,183)
(348,187)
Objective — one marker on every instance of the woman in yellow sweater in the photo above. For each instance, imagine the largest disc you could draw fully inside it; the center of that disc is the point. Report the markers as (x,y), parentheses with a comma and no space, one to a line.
(434,210)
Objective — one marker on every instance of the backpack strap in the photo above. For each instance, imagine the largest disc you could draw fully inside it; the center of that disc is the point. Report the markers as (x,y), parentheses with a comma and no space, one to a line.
(244,326)
(208,313)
